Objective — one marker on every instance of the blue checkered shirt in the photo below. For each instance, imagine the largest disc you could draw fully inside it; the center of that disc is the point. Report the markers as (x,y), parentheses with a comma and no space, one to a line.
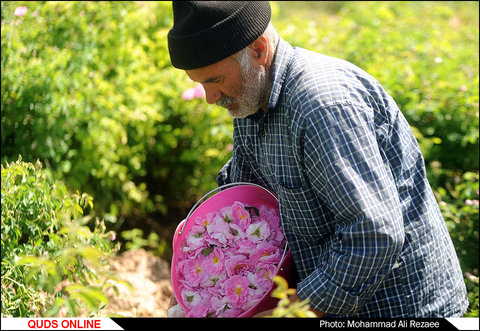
(360,218)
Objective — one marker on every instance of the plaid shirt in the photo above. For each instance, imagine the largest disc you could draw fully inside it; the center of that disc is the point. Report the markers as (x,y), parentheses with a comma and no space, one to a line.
(360,218)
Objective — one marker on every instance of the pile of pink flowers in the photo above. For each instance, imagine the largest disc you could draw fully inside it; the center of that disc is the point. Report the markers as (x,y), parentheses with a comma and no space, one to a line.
(228,260)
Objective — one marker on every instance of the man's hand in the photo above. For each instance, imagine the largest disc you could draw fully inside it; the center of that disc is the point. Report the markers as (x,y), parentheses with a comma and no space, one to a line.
(174,309)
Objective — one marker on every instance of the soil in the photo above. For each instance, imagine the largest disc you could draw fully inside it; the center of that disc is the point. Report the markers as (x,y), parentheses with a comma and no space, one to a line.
(150,278)
(148,274)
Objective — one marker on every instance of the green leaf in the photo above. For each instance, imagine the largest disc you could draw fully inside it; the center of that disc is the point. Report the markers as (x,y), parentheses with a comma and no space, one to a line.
(207,251)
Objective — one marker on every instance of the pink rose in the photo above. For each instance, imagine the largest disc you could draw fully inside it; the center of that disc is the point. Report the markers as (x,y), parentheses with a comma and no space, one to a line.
(237,265)
(190,297)
(195,238)
(20,11)
(205,221)
(198,91)
(258,231)
(215,261)
(236,290)
(240,215)
(264,276)
(266,253)
(195,271)
(195,92)
(188,94)
(202,308)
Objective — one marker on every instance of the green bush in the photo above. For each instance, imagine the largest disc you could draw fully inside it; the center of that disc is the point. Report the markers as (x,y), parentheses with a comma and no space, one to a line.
(459,204)
(50,258)
(87,87)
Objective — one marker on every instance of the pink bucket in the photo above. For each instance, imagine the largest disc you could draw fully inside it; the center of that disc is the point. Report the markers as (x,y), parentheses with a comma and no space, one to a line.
(248,194)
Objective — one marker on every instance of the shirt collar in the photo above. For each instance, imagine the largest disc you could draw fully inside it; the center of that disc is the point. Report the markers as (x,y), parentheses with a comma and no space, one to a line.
(280,65)
(278,74)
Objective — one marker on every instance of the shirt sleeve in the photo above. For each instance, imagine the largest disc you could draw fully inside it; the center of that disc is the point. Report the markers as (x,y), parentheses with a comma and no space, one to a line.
(350,174)
(223,176)
(236,170)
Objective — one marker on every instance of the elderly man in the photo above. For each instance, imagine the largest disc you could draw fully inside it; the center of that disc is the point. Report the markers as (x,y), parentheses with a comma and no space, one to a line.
(365,231)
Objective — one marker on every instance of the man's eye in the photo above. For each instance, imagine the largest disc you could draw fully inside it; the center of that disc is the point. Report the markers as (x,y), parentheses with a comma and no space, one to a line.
(215,80)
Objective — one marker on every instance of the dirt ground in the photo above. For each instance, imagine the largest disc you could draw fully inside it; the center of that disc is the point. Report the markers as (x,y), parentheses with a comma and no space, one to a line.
(150,277)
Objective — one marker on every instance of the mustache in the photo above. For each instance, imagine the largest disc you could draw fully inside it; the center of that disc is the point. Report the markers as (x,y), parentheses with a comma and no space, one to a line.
(225,100)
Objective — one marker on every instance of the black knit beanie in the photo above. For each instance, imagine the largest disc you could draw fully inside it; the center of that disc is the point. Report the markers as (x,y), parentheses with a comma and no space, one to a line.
(206,32)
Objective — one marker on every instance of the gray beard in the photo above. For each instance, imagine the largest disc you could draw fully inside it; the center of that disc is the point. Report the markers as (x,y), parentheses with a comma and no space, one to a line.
(253,94)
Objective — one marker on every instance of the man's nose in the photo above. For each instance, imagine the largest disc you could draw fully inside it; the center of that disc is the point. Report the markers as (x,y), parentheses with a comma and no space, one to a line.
(212,95)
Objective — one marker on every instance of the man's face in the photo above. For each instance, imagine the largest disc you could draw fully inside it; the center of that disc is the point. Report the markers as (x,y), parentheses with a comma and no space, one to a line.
(239,89)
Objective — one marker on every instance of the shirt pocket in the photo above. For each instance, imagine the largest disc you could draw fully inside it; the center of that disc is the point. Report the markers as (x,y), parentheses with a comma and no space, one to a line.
(284,166)
(307,217)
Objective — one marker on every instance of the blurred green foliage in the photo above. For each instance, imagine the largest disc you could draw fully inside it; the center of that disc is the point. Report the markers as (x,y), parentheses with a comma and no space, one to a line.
(134,240)
(88,89)
(51,259)
(425,53)
(286,307)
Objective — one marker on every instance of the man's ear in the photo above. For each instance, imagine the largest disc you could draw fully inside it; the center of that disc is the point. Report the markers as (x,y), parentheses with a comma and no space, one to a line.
(260,50)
